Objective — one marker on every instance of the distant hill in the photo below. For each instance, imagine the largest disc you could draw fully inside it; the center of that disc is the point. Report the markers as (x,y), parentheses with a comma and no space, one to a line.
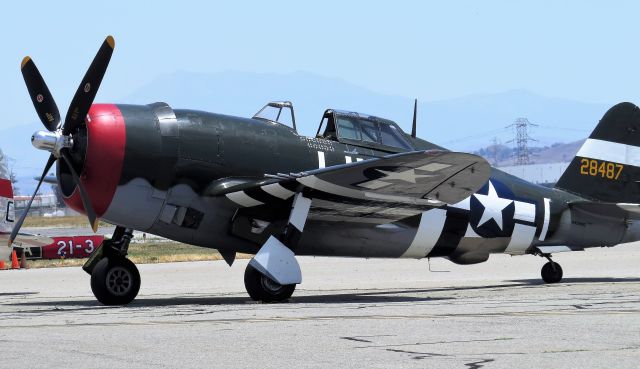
(466,123)
(502,155)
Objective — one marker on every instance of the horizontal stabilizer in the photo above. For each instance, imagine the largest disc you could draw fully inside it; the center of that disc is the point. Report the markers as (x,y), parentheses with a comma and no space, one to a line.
(607,209)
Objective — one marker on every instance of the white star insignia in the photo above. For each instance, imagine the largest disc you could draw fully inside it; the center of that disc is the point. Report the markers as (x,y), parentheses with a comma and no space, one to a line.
(493,206)
(408,175)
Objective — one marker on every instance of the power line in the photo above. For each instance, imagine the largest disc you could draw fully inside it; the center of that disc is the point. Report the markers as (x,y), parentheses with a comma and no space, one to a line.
(476,136)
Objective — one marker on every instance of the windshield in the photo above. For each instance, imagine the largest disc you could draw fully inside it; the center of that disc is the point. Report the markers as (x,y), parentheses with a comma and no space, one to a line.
(348,128)
(372,131)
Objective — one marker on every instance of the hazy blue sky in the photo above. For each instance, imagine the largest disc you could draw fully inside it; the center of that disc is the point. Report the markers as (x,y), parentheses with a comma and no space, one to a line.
(583,50)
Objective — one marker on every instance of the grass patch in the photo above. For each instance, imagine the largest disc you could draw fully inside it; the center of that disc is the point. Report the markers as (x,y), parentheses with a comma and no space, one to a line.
(66,221)
(148,253)
(139,252)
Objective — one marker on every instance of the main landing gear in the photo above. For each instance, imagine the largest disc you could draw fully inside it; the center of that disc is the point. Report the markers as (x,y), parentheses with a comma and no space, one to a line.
(262,288)
(273,273)
(551,271)
(115,280)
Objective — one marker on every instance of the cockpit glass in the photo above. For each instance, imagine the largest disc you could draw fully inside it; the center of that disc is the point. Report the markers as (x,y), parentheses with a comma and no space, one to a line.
(391,137)
(369,131)
(269,113)
(348,128)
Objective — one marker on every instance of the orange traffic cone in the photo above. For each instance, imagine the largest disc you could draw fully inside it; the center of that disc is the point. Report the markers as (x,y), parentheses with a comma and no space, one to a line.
(14,260)
(2,266)
(23,260)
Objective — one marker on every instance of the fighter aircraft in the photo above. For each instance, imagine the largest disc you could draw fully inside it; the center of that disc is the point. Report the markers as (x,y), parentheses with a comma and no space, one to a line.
(7,217)
(360,188)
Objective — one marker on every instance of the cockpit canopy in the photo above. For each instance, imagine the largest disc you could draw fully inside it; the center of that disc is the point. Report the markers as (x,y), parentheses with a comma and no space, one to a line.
(362,130)
(278,112)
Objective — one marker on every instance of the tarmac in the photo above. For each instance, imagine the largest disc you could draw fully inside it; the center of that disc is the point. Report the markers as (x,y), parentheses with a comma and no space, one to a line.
(347,313)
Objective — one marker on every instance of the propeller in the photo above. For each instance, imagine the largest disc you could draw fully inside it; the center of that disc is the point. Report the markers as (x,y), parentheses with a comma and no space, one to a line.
(59,139)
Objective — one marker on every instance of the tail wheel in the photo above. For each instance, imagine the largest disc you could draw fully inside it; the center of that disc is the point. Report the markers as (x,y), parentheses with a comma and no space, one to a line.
(263,288)
(115,281)
(551,272)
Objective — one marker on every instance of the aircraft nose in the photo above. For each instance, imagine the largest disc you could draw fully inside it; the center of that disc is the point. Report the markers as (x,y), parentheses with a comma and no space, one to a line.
(104,150)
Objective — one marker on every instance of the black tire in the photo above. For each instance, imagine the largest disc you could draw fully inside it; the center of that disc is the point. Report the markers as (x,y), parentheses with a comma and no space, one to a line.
(263,288)
(551,272)
(115,281)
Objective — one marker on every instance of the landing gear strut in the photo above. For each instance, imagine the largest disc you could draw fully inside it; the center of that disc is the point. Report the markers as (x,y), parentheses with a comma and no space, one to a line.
(273,273)
(115,280)
(551,272)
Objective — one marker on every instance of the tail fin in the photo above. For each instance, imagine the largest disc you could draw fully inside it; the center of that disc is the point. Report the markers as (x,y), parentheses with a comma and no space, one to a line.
(7,210)
(607,166)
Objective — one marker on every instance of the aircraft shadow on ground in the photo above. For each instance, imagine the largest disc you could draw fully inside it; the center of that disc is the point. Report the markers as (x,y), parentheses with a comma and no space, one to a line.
(538,281)
(360,297)
(8,294)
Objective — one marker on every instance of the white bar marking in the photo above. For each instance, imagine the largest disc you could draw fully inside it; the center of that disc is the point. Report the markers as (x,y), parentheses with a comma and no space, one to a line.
(429,230)
(347,159)
(470,233)
(321,163)
(359,159)
(524,211)
(243,199)
(521,239)
(610,151)
(275,189)
(545,224)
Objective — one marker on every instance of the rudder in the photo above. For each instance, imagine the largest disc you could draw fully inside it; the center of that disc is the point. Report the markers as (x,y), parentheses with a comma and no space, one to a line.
(608,163)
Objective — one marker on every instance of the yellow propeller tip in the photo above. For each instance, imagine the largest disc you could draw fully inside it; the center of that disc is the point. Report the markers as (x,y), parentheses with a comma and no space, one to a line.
(94,226)
(10,243)
(111,41)
(25,60)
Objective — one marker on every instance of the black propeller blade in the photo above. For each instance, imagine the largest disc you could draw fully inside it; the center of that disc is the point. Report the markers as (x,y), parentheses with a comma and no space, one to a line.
(76,114)
(88,88)
(16,228)
(86,201)
(39,92)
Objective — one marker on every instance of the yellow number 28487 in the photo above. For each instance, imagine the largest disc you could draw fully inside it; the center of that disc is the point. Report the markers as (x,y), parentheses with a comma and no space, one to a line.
(604,169)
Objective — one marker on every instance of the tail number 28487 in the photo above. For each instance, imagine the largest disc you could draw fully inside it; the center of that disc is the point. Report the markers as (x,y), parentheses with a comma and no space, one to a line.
(604,169)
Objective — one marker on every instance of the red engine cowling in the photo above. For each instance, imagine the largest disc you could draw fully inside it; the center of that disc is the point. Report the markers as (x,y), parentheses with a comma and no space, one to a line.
(102,166)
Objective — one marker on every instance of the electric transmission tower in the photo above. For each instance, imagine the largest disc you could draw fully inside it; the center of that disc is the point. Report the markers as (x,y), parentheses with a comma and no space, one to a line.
(521,127)
(494,151)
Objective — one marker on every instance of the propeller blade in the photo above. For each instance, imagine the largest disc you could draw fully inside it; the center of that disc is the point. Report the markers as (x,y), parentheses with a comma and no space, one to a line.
(40,95)
(16,228)
(86,202)
(88,88)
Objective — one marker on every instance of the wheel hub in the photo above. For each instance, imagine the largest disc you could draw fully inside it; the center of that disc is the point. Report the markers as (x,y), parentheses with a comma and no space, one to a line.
(119,281)
(270,285)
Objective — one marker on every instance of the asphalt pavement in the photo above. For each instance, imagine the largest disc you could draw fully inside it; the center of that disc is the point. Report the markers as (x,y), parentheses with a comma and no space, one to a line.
(347,313)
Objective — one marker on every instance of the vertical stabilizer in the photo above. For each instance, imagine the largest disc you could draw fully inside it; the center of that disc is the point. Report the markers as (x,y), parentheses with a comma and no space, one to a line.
(607,166)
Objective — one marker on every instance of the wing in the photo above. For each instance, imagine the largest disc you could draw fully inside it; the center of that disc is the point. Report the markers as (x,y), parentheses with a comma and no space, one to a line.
(379,190)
